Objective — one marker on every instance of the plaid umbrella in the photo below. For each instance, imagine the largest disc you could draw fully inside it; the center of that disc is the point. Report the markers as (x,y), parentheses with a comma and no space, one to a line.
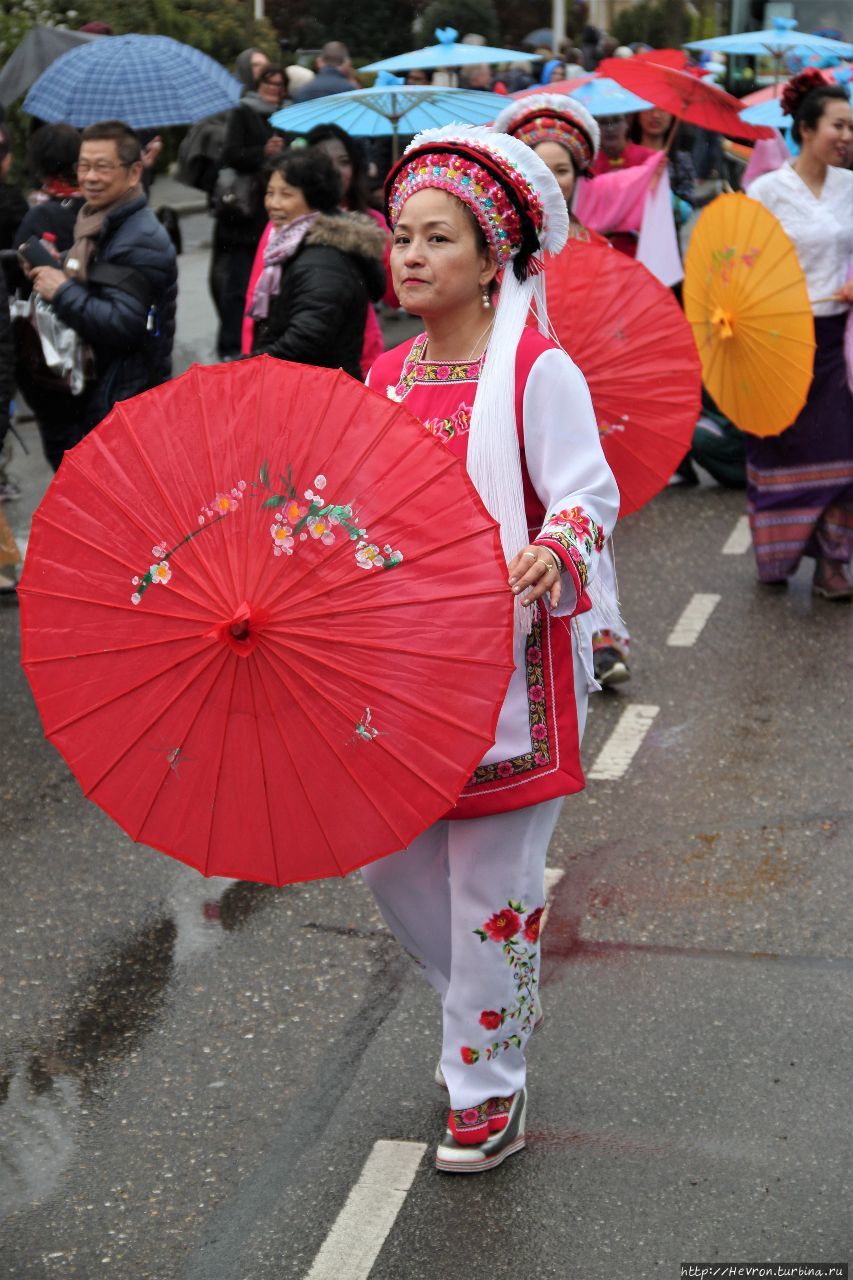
(146,81)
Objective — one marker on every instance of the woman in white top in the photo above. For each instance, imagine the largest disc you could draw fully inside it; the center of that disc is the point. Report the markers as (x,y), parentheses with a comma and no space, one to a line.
(800,484)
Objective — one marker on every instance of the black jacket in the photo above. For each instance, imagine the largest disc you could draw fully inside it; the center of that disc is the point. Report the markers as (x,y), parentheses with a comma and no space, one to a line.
(132,350)
(246,134)
(13,206)
(318,315)
(7,360)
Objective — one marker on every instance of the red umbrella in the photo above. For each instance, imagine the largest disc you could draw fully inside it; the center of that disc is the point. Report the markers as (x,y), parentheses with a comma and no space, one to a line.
(266,621)
(683,96)
(630,339)
(675,58)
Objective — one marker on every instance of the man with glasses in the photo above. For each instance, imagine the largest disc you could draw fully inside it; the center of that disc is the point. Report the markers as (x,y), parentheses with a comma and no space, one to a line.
(118,286)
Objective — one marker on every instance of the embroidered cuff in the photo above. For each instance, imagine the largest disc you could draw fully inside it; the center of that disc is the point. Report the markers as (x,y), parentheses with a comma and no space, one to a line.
(574,537)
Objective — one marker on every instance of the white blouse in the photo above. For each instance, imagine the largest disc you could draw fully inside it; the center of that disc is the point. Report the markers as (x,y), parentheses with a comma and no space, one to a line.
(821,229)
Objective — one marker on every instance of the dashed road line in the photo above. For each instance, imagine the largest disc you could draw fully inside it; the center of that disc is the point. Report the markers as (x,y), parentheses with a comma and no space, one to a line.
(614,758)
(740,538)
(360,1229)
(689,626)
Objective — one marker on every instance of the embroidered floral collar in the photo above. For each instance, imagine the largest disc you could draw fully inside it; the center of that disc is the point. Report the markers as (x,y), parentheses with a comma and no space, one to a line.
(418,371)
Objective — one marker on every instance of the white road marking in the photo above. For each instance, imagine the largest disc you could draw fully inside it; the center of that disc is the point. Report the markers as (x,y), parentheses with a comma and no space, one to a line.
(553,876)
(740,539)
(689,626)
(360,1229)
(624,742)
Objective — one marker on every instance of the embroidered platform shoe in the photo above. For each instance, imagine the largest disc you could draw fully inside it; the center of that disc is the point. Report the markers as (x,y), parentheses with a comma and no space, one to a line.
(480,1138)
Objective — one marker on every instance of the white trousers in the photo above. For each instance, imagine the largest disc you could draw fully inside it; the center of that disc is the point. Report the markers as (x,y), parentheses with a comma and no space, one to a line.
(465,899)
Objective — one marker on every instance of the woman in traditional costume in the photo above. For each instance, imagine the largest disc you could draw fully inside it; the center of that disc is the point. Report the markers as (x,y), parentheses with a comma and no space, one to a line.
(563,133)
(466,897)
(800,483)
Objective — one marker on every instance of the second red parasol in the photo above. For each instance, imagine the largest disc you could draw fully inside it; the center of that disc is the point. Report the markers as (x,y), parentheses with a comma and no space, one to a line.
(630,339)
(683,96)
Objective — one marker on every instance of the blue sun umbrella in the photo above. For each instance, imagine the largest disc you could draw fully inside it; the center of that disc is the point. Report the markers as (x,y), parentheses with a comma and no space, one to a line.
(449,53)
(769,112)
(392,111)
(604,97)
(778,40)
(149,82)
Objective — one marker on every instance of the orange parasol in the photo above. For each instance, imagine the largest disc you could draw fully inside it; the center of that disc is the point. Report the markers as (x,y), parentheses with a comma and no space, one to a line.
(746,298)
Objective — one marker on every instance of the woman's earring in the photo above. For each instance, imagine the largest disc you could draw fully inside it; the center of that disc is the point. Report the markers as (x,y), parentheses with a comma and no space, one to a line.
(486,302)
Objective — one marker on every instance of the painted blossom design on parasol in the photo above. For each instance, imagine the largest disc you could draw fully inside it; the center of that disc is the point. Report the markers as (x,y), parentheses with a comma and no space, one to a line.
(298,518)
(160,572)
(313,516)
(516,930)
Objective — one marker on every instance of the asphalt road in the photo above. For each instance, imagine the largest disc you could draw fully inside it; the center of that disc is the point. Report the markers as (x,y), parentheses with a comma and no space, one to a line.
(193,1074)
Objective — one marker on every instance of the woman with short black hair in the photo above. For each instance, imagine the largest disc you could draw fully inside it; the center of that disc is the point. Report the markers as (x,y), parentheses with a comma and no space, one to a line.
(322,267)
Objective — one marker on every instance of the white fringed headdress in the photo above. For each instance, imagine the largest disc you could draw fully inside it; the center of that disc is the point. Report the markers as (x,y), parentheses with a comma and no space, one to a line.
(518,204)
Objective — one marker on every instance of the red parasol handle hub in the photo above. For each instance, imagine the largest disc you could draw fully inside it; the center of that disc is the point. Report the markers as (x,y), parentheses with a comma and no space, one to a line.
(242,631)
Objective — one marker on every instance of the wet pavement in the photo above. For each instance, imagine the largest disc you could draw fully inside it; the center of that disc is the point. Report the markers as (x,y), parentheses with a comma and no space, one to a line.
(193,1073)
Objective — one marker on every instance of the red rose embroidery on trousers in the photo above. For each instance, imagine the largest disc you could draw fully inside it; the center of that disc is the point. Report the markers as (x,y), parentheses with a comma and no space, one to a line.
(503,925)
(490,1019)
(531,925)
(469,1056)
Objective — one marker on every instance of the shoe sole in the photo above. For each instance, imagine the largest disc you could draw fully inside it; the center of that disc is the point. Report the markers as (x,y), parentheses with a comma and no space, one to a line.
(618,674)
(483,1166)
(834,597)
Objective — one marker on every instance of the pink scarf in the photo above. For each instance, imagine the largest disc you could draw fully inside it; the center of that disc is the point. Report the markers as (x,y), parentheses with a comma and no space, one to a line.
(281,245)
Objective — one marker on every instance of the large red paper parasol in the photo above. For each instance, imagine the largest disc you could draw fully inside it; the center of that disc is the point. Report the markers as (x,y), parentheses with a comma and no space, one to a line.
(629,338)
(683,96)
(266,621)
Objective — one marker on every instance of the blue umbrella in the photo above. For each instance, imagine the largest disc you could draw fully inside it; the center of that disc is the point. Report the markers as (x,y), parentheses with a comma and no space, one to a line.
(447,53)
(387,112)
(604,97)
(777,41)
(769,112)
(146,81)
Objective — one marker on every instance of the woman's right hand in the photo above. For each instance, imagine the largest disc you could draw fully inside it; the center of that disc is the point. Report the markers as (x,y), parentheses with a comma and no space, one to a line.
(274,146)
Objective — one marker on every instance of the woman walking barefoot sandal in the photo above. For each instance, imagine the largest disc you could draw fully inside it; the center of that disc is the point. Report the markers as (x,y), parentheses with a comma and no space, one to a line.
(466,897)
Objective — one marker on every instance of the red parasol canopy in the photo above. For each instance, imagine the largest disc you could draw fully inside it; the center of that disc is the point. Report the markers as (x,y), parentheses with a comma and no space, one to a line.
(683,96)
(266,621)
(675,58)
(628,336)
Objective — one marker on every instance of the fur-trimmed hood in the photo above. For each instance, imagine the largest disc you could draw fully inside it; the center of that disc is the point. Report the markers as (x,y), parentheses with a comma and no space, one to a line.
(355,233)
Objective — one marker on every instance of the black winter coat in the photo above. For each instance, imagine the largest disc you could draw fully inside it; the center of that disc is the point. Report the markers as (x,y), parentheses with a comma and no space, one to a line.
(130,355)
(246,134)
(318,315)
(7,360)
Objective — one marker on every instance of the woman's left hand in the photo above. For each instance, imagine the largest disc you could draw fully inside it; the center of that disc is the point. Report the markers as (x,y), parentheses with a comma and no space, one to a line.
(534,571)
(845,293)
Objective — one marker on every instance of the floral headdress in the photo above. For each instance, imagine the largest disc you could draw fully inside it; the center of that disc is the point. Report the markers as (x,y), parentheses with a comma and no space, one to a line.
(491,174)
(798,88)
(517,202)
(553,117)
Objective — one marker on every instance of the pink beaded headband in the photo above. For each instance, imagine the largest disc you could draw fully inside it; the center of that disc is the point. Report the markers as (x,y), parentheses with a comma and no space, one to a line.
(547,127)
(495,191)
